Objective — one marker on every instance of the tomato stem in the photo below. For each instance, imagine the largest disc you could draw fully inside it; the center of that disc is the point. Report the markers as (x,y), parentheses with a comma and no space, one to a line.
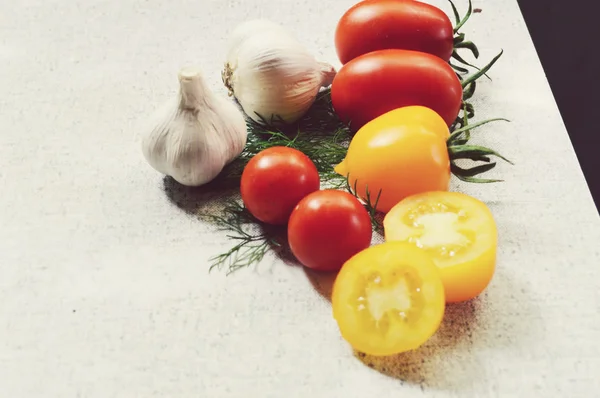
(460,43)
(481,71)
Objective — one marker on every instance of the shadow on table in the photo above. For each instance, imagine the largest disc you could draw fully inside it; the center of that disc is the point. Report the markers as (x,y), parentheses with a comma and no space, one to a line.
(321,281)
(194,200)
(448,359)
(419,366)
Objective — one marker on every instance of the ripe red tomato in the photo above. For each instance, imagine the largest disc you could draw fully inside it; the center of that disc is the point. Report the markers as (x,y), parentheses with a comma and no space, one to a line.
(381,81)
(327,228)
(275,180)
(374,25)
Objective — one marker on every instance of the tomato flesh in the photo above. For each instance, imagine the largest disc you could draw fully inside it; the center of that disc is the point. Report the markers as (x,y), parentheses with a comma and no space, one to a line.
(275,180)
(388,299)
(372,25)
(327,228)
(456,230)
(381,81)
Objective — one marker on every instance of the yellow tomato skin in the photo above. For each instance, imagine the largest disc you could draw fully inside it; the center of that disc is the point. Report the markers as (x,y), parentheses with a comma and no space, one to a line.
(388,299)
(459,233)
(400,153)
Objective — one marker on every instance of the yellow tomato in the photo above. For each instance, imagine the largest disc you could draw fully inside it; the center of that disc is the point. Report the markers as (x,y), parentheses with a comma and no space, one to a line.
(398,154)
(456,230)
(388,299)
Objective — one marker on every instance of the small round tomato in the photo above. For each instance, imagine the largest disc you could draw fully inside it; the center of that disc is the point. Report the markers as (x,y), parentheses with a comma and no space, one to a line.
(275,180)
(372,25)
(456,230)
(388,299)
(327,228)
(398,154)
(380,81)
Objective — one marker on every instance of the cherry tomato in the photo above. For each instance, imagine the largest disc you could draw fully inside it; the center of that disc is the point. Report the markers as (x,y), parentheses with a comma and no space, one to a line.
(456,230)
(327,228)
(372,25)
(380,81)
(275,180)
(398,154)
(388,299)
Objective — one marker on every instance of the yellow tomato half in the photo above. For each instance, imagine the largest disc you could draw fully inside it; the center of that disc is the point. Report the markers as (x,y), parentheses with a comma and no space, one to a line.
(388,299)
(456,230)
(398,154)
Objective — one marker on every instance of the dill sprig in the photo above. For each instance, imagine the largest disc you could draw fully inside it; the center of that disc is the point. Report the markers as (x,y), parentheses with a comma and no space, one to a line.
(369,204)
(320,134)
(253,239)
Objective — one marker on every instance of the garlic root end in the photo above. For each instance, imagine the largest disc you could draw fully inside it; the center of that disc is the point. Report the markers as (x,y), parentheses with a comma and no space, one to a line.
(328,73)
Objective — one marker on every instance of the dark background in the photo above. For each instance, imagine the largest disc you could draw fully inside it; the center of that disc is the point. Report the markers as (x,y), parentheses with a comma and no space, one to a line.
(565,34)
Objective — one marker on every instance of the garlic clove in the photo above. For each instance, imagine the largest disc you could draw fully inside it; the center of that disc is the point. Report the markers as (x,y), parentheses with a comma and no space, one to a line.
(271,74)
(195,134)
(246,30)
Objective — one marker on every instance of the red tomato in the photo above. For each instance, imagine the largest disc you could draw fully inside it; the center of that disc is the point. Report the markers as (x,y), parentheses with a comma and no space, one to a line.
(404,24)
(275,180)
(384,80)
(327,228)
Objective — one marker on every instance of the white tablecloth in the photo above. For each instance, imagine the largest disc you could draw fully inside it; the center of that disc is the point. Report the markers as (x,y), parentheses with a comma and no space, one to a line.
(104,283)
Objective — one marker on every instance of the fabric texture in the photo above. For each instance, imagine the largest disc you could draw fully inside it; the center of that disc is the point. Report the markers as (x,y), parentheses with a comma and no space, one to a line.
(104,283)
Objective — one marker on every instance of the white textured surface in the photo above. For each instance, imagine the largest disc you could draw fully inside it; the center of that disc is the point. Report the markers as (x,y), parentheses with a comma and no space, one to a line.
(104,289)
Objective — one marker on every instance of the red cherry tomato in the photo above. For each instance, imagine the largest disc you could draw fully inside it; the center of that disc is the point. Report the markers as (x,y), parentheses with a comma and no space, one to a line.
(374,25)
(275,180)
(327,228)
(381,81)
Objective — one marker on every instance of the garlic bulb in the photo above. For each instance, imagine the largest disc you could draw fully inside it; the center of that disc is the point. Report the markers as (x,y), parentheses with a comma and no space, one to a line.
(271,74)
(195,134)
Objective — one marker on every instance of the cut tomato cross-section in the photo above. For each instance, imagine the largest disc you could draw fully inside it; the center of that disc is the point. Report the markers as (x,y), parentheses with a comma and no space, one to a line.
(456,230)
(388,299)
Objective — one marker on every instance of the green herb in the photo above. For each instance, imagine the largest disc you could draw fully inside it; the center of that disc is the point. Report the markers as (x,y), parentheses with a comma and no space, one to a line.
(253,239)
(369,203)
(469,83)
(319,134)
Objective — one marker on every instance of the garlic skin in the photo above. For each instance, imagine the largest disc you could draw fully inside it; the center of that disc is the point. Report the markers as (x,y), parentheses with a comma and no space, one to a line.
(271,74)
(195,134)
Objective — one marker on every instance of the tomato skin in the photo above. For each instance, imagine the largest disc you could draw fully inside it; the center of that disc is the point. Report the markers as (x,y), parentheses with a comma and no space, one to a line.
(275,180)
(404,24)
(327,228)
(378,82)
(400,153)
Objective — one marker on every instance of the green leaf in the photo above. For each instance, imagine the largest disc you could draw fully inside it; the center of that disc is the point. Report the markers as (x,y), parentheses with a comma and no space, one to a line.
(465,19)
(460,59)
(469,91)
(473,171)
(482,71)
(470,46)
(471,151)
(470,127)
(459,38)
(470,110)
(458,68)
(476,180)
(456,14)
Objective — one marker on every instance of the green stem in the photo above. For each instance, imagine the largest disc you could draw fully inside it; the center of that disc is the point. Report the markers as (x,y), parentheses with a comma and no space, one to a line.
(470,151)
(467,128)
(482,71)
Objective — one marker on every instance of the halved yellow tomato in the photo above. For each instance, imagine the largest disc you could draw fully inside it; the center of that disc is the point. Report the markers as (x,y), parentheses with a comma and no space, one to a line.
(388,299)
(456,230)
